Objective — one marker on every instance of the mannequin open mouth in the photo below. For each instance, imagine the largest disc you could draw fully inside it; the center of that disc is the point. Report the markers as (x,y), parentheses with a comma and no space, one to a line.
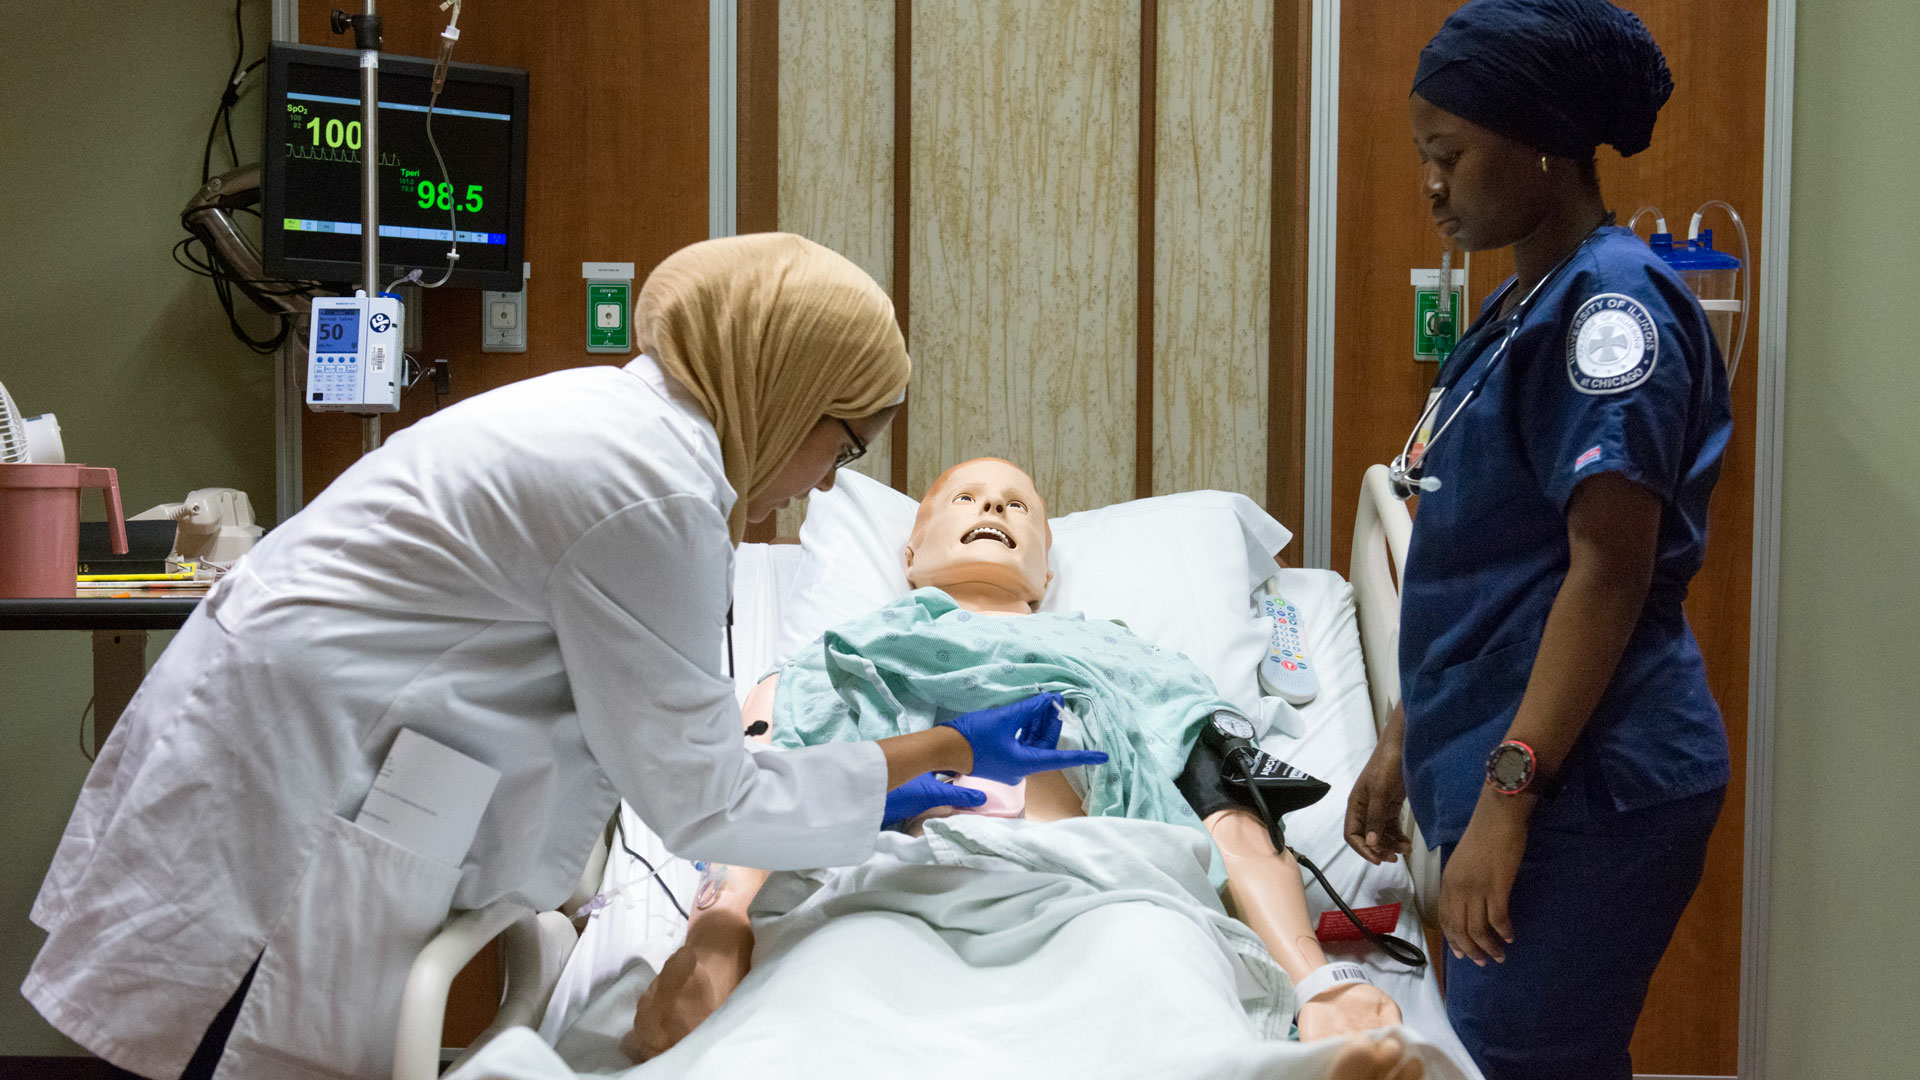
(987,532)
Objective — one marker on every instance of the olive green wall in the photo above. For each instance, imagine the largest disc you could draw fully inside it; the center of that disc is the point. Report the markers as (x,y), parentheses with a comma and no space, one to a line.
(106,110)
(1846,867)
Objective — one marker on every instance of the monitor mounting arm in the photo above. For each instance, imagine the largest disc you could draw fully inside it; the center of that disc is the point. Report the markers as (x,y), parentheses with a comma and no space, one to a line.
(209,216)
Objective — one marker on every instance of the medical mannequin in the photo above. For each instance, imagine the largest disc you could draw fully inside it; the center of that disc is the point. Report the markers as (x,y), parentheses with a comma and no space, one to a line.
(981,536)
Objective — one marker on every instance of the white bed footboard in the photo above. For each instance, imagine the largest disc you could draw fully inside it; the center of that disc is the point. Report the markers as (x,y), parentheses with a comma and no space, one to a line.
(1380,533)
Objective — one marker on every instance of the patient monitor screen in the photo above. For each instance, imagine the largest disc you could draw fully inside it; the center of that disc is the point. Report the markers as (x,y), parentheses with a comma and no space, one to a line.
(313,179)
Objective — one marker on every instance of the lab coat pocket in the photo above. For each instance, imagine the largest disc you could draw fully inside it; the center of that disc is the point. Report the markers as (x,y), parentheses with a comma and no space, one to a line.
(327,994)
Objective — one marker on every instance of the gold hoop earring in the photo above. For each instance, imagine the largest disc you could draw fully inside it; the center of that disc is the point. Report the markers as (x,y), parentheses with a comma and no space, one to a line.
(1543,163)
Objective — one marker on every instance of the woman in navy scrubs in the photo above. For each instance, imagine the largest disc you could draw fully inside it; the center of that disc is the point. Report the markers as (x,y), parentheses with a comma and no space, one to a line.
(1557,741)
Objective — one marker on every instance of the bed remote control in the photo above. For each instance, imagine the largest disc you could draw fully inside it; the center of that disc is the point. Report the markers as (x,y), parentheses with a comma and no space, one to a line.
(1284,672)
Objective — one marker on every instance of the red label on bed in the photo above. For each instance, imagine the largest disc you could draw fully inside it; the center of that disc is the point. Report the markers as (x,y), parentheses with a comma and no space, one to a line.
(1335,926)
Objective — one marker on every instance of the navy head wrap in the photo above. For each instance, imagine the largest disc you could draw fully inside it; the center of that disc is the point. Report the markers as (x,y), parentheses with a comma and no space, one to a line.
(1562,76)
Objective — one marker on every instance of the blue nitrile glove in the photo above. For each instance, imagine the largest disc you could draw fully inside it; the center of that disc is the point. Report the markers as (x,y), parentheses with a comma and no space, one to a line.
(923,793)
(1011,742)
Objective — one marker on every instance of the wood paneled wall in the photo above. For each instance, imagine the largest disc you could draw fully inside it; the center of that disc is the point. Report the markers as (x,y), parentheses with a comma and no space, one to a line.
(836,116)
(1212,242)
(1023,242)
(1708,144)
(616,171)
(1071,205)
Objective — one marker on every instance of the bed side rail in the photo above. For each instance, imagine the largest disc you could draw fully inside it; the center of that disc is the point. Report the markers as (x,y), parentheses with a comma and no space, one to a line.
(1381,530)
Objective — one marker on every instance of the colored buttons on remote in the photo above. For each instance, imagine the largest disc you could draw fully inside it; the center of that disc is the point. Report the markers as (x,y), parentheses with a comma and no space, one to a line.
(1285,671)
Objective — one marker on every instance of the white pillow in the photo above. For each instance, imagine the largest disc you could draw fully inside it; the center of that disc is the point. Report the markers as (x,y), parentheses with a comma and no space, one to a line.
(1179,570)
(855,537)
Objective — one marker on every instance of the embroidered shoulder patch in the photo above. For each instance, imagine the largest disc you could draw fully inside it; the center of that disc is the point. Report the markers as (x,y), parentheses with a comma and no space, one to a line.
(1612,346)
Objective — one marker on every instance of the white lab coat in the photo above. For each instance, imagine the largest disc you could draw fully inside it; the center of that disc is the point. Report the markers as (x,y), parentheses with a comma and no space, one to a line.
(538,578)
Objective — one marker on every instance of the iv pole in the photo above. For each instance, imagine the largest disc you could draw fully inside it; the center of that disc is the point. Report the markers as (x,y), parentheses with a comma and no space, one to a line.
(366,38)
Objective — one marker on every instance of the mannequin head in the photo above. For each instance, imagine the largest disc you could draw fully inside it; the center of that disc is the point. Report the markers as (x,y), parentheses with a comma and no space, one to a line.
(981,535)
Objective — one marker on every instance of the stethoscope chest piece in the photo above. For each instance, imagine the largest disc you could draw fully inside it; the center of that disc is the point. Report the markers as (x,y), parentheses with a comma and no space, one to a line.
(1405,472)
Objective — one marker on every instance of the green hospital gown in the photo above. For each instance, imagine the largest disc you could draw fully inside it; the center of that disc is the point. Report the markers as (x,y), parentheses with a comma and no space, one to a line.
(922,660)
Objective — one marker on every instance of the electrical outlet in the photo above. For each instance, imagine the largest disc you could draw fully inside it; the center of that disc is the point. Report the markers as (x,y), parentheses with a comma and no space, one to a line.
(503,317)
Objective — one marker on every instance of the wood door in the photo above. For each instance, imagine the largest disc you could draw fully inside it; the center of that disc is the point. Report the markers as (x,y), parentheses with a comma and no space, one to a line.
(1708,144)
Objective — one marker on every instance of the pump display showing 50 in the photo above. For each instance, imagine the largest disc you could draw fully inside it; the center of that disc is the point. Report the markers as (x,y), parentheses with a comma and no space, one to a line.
(439,196)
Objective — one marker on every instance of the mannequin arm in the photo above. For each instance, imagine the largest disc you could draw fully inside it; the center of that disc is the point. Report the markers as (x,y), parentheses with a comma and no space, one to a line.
(1265,889)
(701,974)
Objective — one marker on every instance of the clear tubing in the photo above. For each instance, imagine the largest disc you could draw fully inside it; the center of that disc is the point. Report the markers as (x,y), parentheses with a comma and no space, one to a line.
(1659,219)
(1746,275)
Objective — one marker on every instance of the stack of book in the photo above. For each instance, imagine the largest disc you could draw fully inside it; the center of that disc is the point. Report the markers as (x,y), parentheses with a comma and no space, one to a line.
(173,579)
(145,570)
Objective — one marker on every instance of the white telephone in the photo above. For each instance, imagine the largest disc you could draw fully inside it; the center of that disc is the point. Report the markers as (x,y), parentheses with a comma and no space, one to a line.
(215,525)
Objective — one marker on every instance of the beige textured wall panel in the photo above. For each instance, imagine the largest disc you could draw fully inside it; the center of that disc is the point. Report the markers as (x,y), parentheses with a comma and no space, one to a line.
(836,147)
(1212,234)
(1024,156)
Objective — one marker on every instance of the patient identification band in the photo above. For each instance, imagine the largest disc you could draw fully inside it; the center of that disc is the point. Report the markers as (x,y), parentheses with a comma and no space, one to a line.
(428,798)
(1327,977)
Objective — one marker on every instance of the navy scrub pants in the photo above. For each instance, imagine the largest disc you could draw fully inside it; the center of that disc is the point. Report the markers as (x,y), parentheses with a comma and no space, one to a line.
(1593,908)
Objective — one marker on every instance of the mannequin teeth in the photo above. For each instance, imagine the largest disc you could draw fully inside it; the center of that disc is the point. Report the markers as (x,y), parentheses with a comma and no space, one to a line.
(979,531)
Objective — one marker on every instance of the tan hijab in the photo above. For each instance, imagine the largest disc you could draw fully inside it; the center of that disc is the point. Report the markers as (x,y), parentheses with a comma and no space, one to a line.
(770,332)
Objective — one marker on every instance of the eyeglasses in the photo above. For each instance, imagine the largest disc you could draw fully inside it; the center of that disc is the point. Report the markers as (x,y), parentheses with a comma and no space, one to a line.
(850,454)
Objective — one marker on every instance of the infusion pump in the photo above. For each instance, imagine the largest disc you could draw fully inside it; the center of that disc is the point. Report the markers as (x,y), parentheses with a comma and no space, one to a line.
(355,361)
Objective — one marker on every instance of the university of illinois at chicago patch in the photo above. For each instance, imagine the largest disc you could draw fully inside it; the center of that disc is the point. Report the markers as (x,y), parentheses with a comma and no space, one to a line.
(1613,345)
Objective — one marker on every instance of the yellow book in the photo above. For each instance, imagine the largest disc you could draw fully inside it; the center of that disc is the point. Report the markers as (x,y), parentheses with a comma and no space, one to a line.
(182,572)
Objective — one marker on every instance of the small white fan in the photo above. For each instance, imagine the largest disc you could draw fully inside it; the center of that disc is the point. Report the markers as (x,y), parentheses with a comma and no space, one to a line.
(28,440)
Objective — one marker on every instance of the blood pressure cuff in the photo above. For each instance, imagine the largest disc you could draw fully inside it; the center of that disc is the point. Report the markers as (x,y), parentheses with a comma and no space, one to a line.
(1222,772)
(1204,783)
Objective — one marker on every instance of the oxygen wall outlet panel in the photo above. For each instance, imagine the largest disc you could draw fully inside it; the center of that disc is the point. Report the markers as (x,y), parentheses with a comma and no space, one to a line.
(503,317)
(1436,331)
(609,306)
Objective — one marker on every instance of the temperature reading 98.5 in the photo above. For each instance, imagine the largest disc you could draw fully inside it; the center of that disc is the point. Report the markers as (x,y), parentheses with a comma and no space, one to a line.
(440,197)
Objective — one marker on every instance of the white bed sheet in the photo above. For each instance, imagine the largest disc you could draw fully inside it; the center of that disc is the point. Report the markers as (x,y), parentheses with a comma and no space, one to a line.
(628,939)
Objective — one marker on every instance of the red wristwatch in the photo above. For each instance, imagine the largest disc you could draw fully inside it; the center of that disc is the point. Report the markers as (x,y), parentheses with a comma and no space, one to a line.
(1511,767)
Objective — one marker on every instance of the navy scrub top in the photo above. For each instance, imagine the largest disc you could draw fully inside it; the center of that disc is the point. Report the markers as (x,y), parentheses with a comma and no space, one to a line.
(1612,368)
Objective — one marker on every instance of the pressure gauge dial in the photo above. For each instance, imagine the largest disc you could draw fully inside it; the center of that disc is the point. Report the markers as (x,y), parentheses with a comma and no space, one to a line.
(1233,725)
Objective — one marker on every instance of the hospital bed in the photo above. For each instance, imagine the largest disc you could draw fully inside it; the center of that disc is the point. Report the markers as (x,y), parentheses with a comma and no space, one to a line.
(556,978)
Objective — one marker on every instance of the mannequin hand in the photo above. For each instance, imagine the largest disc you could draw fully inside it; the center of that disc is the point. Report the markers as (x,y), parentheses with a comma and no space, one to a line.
(1346,1009)
(1373,807)
(694,981)
(1011,742)
(923,793)
(1479,878)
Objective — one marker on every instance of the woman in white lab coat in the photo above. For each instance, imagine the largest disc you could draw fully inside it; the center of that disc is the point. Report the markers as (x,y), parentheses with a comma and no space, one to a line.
(537,579)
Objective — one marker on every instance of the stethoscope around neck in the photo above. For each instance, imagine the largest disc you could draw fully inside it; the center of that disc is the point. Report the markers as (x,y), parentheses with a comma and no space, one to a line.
(1405,473)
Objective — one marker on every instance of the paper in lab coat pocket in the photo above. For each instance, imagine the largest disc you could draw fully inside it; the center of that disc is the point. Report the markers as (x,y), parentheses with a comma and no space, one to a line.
(326,997)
